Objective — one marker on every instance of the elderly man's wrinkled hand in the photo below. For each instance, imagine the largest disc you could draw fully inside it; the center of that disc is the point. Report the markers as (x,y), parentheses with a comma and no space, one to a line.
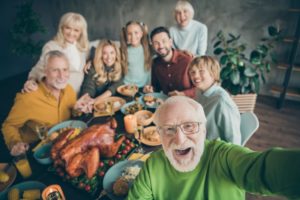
(85,104)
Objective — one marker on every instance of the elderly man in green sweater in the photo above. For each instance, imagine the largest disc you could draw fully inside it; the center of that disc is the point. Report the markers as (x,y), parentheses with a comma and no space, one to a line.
(189,167)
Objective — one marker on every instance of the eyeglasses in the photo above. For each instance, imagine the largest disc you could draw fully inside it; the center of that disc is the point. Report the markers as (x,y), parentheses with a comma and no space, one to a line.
(188,128)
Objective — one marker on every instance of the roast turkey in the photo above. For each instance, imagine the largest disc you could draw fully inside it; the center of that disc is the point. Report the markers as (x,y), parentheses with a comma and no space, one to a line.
(82,154)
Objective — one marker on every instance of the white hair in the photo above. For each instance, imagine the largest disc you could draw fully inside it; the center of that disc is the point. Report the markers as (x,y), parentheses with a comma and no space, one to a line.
(52,54)
(183,101)
(181,5)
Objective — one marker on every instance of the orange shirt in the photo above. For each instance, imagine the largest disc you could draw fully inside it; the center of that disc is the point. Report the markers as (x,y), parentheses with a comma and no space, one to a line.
(38,106)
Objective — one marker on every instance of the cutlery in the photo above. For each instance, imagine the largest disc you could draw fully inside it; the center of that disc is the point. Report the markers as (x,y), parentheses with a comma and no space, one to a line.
(102,194)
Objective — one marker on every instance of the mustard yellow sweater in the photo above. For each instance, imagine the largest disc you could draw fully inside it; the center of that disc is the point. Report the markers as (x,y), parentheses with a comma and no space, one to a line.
(39,106)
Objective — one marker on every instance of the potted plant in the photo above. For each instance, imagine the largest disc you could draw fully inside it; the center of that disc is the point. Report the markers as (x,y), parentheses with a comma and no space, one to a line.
(242,73)
(26,30)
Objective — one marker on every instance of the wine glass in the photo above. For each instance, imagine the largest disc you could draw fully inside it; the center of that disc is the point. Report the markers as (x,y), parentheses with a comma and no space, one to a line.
(42,131)
(133,91)
(140,131)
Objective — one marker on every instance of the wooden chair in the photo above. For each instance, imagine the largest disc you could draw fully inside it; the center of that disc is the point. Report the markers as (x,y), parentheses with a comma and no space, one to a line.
(249,124)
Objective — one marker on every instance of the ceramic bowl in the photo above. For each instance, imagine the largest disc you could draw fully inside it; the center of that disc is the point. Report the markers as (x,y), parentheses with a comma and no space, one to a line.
(42,154)
(144,117)
(67,124)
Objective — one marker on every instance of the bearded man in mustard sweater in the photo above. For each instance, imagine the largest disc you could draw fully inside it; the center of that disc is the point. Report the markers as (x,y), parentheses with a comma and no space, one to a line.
(51,103)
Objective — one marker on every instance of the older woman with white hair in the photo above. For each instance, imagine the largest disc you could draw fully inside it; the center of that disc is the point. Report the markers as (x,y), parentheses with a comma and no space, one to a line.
(188,34)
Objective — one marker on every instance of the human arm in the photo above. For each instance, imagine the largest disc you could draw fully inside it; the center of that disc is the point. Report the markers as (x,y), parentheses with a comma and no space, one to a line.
(19,148)
(228,120)
(114,85)
(89,84)
(111,90)
(202,46)
(84,104)
(154,81)
(275,171)
(30,86)
(87,66)
(190,92)
(176,93)
(90,58)
(16,118)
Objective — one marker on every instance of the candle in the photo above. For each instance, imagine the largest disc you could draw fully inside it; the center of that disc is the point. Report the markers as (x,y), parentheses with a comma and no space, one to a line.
(130,123)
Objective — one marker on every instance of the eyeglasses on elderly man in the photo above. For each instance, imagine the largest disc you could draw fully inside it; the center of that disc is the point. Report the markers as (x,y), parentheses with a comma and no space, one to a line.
(187,128)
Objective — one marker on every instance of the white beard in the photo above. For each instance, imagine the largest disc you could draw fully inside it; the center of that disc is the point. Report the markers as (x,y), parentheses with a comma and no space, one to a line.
(59,85)
(188,164)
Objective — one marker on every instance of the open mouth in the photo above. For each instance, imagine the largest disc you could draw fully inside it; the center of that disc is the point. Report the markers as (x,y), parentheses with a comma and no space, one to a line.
(182,152)
(197,81)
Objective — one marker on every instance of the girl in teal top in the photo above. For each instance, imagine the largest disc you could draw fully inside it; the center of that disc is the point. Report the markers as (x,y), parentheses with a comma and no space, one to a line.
(135,54)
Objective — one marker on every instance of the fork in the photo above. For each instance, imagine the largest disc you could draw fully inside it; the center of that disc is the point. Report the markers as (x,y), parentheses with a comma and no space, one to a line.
(102,194)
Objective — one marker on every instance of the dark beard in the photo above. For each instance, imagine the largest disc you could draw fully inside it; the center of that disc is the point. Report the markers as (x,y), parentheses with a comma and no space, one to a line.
(164,55)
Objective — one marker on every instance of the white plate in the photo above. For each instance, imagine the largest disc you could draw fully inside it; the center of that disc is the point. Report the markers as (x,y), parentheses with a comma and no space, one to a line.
(114,173)
(146,141)
(156,95)
(12,173)
(113,100)
(128,92)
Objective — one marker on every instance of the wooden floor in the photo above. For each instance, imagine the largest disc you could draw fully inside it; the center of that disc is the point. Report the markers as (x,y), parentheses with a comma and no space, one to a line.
(278,128)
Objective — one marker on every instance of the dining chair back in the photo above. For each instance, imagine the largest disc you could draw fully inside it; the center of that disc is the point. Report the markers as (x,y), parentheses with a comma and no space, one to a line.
(249,124)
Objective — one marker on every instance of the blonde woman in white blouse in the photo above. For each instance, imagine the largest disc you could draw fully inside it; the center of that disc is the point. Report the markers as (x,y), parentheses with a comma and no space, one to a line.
(72,40)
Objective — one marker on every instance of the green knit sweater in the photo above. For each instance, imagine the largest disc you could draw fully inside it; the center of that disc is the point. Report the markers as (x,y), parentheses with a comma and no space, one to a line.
(225,171)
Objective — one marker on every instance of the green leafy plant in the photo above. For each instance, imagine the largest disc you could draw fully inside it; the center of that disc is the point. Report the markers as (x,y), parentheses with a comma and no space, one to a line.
(25,31)
(241,73)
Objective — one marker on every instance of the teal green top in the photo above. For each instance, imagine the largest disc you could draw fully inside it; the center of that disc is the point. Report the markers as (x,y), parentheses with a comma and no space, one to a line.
(137,74)
(222,114)
(225,171)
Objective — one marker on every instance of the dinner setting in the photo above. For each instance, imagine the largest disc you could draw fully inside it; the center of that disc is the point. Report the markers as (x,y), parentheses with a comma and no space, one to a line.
(146,109)
(71,151)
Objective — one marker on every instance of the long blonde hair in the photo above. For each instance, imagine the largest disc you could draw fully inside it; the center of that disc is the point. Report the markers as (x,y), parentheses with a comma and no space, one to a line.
(73,20)
(144,41)
(116,73)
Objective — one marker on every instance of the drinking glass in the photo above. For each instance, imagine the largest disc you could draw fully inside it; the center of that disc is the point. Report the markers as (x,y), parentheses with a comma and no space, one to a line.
(42,131)
(22,164)
(140,131)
